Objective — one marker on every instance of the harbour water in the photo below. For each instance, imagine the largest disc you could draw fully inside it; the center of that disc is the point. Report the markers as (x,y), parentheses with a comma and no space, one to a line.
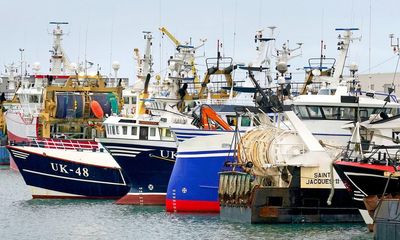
(21,217)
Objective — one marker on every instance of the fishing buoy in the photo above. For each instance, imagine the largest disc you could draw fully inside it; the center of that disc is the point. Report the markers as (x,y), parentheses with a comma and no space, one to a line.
(96,109)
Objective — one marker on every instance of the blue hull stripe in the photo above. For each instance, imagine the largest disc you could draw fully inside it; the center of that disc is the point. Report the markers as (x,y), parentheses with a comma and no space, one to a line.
(332,134)
(185,137)
(194,134)
(206,152)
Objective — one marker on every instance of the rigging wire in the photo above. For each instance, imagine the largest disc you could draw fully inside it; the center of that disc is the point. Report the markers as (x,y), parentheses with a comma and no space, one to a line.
(111,40)
(234,30)
(260,14)
(395,71)
(377,65)
(161,36)
(369,47)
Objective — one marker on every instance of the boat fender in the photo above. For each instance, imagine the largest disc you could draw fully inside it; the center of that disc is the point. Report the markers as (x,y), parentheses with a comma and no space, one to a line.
(249,164)
(96,109)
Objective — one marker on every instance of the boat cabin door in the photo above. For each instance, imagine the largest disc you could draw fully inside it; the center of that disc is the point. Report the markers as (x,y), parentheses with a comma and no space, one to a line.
(144,133)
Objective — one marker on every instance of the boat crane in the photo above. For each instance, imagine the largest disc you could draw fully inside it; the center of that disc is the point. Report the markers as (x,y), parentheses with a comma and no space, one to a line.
(164,31)
(186,50)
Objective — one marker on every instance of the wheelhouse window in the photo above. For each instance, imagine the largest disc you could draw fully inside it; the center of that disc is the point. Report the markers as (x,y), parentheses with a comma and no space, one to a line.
(33,99)
(245,121)
(152,132)
(315,112)
(365,112)
(301,111)
(347,113)
(126,100)
(134,131)
(117,130)
(331,113)
(124,130)
(166,132)
(231,120)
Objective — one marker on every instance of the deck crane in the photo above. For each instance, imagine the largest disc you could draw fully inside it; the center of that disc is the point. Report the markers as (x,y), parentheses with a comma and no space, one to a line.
(164,31)
(187,51)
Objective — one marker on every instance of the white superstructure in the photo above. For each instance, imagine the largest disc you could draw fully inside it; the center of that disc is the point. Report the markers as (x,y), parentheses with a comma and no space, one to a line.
(339,100)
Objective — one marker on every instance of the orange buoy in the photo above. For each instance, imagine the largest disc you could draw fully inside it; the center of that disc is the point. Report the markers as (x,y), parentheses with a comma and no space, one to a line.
(96,109)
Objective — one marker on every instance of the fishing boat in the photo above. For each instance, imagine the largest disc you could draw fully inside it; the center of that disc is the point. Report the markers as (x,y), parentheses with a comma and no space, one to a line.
(63,133)
(9,82)
(282,175)
(68,169)
(193,186)
(283,185)
(330,98)
(369,166)
(52,132)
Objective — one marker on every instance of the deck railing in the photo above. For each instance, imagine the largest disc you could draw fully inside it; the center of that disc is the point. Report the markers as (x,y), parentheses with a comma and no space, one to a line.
(66,144)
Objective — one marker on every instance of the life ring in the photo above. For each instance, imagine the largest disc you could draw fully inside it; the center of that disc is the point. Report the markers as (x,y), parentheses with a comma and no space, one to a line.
(96,109)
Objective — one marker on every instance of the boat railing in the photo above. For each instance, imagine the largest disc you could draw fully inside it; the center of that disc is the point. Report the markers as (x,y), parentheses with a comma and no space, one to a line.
(65,144)
(376,154)
(222,101)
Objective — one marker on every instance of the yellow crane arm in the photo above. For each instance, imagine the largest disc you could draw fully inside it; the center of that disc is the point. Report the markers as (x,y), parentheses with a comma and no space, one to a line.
(170,36)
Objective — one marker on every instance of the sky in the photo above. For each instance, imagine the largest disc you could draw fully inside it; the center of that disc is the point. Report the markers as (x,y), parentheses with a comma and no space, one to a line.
(108,31)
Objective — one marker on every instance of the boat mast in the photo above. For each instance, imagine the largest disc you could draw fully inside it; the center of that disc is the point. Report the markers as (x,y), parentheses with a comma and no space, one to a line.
(60,63)
(145,63)
(147,58)
(343,47)
(11,69)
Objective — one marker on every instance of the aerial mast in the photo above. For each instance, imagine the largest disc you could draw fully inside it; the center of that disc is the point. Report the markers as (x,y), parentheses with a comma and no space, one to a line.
(59,60)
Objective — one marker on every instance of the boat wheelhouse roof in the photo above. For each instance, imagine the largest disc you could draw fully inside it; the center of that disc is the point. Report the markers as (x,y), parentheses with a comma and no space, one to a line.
(128,120)
(386,123)
(337,100)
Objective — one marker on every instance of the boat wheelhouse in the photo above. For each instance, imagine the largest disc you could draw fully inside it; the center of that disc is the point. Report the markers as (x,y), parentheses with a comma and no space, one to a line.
(328,98)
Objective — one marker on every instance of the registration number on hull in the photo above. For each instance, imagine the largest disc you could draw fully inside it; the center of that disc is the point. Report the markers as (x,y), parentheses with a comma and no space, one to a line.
(64,168)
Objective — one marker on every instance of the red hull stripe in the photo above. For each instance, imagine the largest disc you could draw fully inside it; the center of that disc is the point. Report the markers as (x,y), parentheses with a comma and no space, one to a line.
(192,206)
(367,165)
(130,199)
(13,165)
(71,197)
(12,137)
